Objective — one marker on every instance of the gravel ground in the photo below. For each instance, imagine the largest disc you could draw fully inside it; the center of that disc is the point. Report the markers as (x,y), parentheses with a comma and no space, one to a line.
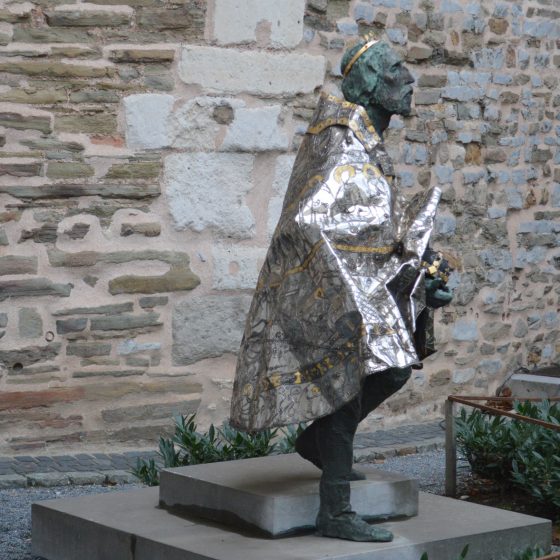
(15,514)
(15,505)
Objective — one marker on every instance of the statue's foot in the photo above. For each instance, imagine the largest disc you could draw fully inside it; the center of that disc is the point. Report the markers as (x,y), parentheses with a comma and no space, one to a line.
(351,527)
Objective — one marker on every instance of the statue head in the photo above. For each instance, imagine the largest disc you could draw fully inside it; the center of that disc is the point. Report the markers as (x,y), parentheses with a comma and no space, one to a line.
(375,76)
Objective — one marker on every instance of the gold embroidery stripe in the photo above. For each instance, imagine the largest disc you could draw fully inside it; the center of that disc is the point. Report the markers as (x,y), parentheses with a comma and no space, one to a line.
(364,249)
(320,126)
(307,260)
(300,268)
(308,186)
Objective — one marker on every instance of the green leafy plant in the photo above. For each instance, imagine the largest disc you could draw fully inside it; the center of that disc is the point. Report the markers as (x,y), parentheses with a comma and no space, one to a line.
(462,556)
(147,472)
(189,446)
(530,554)
(527,455)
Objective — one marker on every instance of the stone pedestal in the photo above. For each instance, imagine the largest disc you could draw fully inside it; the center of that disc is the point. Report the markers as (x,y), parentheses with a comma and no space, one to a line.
(277,495)
(272,496)
(131,526)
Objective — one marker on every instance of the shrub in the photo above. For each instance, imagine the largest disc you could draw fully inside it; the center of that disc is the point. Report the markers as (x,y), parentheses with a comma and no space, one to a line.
(188,446)
(526,454)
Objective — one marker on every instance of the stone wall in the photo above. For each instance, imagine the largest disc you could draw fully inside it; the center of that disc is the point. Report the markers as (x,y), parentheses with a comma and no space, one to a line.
(145,149)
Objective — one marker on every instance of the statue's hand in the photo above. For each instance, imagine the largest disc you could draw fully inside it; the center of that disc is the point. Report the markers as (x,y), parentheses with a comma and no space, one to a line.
(437,293)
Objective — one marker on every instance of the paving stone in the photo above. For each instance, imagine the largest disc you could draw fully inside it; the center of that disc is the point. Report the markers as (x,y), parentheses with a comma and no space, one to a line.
(12,481)
(118,476)
(85,477)
(48,479)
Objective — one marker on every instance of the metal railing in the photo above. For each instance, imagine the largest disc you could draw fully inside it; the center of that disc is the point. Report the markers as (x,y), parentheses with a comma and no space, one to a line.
(451,439)
(474,401)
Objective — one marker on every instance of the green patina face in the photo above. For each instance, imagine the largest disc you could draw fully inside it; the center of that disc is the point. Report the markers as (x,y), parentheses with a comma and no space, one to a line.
(378,80)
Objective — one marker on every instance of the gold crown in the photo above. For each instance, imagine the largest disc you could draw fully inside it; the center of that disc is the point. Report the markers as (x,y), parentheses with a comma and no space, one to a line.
(370,41)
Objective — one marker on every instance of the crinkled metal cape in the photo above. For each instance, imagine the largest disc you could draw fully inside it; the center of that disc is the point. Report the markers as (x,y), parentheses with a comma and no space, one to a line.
(341,288)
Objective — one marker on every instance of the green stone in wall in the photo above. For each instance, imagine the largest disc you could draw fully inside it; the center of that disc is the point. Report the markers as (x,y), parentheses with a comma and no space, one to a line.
(69,170)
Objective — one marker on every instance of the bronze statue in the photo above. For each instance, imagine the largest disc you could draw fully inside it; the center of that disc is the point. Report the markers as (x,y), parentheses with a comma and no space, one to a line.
(342,305)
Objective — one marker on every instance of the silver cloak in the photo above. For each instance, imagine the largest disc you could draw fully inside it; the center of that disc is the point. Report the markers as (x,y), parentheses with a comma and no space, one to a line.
(342,286)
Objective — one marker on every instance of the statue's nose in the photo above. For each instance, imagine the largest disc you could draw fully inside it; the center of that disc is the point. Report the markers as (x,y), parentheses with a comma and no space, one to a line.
(409,77)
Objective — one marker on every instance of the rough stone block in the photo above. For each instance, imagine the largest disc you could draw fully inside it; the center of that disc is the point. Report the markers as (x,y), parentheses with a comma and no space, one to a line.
(67,170)
(279,494)
(490,367)
(137,170)
(47,233)
(134,191)
(143,53)
(430,96)
(30,324)
(21,167)
(495,330)
(57,70)
(41,122)
(125,322)
(104,123)
(465,330)
(146,116)
(196,124)
(238,21)
(188,17)
(417,53)
(462,93)
(205,327)
(71,326)
(260,73)
(147,229)
(89,15)
(12,264)
(33,287)
(152,301)
(256,130)
(155,411)
(89,258)
(461,376)
(6,33)
(178,278)
(198,197)
(236,267)
(110,373)
(88,349)
(130,346)
(110,309)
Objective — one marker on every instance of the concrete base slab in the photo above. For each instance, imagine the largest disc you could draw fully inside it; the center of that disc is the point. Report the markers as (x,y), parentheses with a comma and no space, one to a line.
(278,495)
(531,385)
(130,526)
